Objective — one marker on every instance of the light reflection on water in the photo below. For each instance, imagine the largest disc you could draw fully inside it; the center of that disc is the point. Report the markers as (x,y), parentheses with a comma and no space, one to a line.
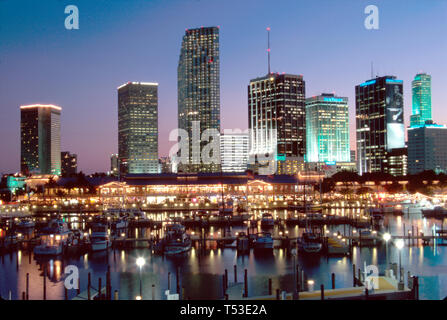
(201,274)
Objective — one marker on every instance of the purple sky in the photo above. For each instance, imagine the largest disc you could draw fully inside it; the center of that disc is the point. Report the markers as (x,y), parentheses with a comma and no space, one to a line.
(121,41)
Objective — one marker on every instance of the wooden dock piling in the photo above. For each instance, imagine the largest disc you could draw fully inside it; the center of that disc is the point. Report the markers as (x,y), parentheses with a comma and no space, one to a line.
(27,286)
(44,283)
(99,288)
(235,273)
(169,281)
(245,283)
(89,285)
(270,286)
(178,280)
(333,280)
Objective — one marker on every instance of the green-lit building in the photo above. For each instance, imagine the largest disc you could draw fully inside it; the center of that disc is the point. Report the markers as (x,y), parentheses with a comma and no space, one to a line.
(327,129)
(138,127)
(421,89)
(40,133)
(199,94)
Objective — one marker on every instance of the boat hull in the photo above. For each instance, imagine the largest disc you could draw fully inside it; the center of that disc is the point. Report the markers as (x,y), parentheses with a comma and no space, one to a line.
(48,250)
(99,245)
(176,250)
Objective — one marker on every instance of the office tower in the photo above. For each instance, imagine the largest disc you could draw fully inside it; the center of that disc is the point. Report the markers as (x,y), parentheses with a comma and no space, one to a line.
(69,163)
(165,165)
(276,102)
(138,127)
(199,94)
(379,122)
(398,162)
(40,139)
(421,90)
(427,148)
(234,152)
(327,129)
(353,156)
(114,164)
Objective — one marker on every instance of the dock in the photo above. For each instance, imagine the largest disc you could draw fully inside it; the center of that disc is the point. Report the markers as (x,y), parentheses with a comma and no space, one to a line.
(388,290)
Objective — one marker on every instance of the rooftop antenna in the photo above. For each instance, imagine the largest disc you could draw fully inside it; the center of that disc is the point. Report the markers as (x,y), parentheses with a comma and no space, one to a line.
(268,47)
(372,70)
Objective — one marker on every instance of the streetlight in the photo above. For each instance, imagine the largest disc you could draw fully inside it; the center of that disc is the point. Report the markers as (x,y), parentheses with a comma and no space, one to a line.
(386,237)
(399,245)
(140,264)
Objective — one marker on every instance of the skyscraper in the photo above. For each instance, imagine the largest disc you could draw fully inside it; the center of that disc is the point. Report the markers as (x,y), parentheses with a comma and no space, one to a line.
(234,152)
(379,122)
(114,164)
(421,90)
(138,127)
(277,102)
(327,129)
(69,163)
(427,148)
(40,139)
(199,92)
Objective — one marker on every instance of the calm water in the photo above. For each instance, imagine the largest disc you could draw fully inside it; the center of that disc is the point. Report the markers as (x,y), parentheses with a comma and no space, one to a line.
(201,274)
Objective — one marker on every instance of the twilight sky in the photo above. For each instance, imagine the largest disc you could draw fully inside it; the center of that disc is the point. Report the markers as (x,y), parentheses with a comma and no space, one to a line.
(139,40)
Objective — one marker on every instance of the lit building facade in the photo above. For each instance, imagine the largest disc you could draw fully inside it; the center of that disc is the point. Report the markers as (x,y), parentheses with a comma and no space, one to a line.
(40,133)
(138,127)
(234,152)
(327,129)
(277,117)
(421,91)
(69,163)
(199,94)
(291,166)
(379,122)
(114,164)
(397,163)
(427,148)
(353,156)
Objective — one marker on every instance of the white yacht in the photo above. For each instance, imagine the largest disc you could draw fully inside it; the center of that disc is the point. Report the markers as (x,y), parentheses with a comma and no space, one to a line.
(99,239)
(54,238)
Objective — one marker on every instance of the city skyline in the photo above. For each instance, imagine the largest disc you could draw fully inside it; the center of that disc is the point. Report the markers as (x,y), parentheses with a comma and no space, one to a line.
(94,144)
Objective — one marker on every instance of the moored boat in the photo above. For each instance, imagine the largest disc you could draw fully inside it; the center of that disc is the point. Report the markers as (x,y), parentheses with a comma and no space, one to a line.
(26,223)
(99,239)
(263,241)
(176,241)
(54,238)
(437,212)
(310,242)
(267,221)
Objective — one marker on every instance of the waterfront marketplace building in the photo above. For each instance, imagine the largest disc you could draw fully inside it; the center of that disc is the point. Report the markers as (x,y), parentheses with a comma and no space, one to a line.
(156,189)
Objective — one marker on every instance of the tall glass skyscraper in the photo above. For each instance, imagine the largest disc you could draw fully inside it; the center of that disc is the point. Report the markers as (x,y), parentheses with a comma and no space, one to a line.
(421,89)
(327,129)
(199,92)
(40,132)
(277,101)
(138,127)
(379,122)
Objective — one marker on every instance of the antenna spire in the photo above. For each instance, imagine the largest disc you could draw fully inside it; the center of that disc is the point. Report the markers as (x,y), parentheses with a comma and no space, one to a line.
(268,48)
(372,70)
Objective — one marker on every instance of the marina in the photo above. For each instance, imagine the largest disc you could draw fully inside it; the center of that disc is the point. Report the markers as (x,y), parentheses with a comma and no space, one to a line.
(212,250)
